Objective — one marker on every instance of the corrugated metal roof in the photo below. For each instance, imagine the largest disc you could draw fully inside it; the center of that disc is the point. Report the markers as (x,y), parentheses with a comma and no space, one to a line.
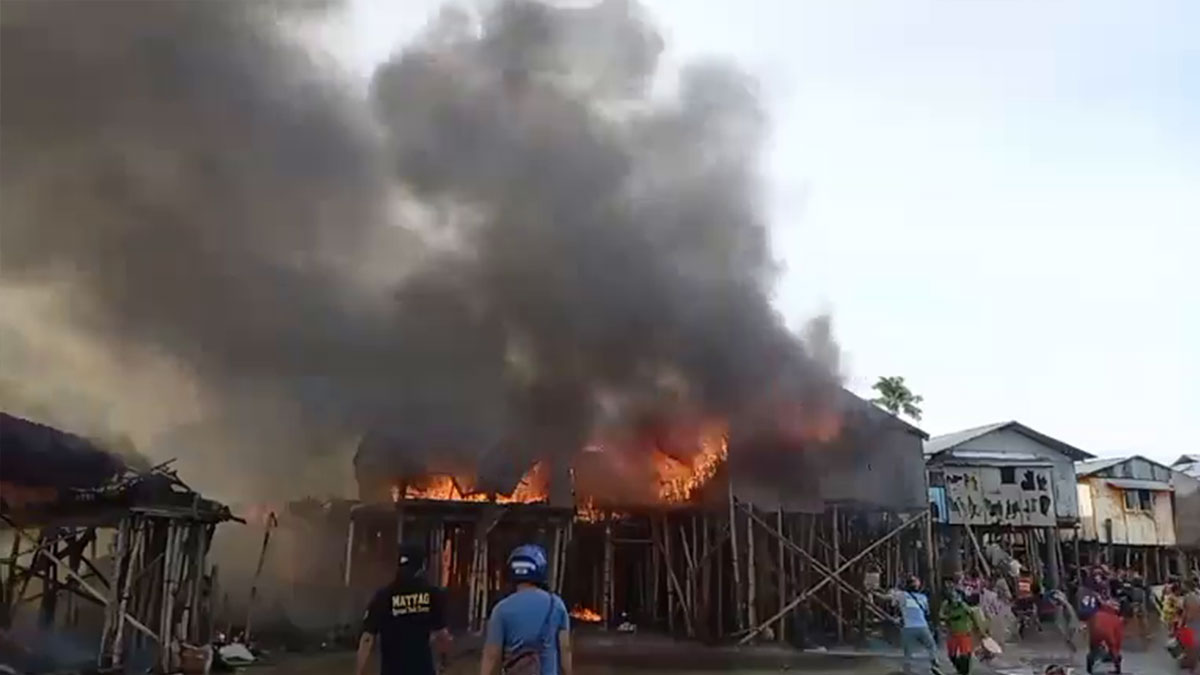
(993,459)
(1090,467)
(947,441)
(1135,484)
(939,444)
(1094,466)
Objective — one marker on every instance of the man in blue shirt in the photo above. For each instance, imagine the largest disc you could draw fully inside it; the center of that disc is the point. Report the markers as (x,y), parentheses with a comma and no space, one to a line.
(915,631)
(529,631)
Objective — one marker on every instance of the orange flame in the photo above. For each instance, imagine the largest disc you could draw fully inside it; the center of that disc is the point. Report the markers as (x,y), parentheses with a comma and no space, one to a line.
(532,488)
(586,615)
(587,512)
(678,479)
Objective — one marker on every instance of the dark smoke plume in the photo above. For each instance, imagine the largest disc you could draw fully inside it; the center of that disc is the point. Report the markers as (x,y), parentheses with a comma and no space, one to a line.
(571,250)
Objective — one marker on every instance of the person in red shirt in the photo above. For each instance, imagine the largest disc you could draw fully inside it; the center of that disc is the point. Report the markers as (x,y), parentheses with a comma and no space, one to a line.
(1106,631)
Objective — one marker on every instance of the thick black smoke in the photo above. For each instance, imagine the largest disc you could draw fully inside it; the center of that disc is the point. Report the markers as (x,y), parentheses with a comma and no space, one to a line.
(584,252)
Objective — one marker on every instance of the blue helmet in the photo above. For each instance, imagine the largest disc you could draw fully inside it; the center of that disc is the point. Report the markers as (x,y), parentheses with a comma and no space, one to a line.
(528,563)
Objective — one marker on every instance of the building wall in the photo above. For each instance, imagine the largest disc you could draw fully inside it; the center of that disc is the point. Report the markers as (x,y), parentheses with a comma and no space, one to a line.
(1066,504)
(979,495)
(1129,527)
(1187,509)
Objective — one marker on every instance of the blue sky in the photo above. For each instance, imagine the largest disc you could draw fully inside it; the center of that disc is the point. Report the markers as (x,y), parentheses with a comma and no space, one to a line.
(998,200)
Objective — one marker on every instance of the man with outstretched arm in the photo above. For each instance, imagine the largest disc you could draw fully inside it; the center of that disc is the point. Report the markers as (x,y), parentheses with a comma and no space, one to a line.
(408,620)
(529,632)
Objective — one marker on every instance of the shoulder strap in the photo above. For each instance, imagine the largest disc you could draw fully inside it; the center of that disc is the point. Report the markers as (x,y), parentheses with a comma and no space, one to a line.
(546,621)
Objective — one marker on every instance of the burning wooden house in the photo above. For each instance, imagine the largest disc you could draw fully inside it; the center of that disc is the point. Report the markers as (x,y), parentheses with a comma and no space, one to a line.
(689,530)
(103,552)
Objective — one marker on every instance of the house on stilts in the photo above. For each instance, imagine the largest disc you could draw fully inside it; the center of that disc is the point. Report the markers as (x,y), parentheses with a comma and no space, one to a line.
(1127,515)
(1003,492)
(738,542)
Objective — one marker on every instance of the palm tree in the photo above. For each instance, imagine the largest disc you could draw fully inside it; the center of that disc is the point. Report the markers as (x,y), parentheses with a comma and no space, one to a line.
(896,398)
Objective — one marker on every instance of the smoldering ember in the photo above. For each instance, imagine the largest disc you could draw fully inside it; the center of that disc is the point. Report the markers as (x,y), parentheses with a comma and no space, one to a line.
(266,322)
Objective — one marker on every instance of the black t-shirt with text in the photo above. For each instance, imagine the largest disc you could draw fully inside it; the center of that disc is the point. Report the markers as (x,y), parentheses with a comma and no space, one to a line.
(403,615)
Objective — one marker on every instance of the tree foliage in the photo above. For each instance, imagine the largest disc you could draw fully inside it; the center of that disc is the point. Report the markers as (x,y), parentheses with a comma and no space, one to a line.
(896,398)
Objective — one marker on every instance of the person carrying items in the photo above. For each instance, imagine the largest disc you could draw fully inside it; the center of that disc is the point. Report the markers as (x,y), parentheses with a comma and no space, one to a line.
(529,632)
(962,618)
(408,619)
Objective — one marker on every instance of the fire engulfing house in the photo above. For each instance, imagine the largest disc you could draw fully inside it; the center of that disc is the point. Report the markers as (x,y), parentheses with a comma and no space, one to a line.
(1004,484)
(689,529)
(1127,513)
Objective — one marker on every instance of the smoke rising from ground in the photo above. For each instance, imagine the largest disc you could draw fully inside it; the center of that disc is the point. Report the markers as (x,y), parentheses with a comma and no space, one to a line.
(510,243)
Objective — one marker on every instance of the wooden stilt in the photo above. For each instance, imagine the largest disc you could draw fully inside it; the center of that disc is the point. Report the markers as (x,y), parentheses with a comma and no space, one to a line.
(607,611)
(835,530)
(672,588)
(271,524)
(751,575)
(720,591)
(674,581)
(781,583)
(737,577)
(656,572)
(113,615)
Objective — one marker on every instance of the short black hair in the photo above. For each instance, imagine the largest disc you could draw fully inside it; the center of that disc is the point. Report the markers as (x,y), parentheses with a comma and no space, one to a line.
(410,557)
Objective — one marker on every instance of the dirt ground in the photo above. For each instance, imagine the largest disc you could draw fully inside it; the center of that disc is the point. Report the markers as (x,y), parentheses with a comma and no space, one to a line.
(679,658)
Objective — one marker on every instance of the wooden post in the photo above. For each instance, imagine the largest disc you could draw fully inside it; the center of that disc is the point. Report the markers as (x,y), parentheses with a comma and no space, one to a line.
(555,559)
(720,590)
(935,587)
(655,571)
(837,559)
(113,614)
(608,574)
(782,582)
(272,522)
(705,577)
(733,539)
(671,577)
(689,559)
(664,531)
(751,577)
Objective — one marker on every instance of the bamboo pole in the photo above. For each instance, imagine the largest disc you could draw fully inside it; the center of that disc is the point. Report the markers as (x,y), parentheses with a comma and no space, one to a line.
(751,575)
(673,596)
(737,575)
(687,615)
(835,534)
(782,572)
(272,523)
(720,590)
(608,574)
(656,571)
(705,610)
(80,580)
(120,572)
(689,588)
(829,578)
(173,563)
(983,563)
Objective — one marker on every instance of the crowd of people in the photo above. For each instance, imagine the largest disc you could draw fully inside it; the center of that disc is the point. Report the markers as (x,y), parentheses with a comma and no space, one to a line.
(980,614)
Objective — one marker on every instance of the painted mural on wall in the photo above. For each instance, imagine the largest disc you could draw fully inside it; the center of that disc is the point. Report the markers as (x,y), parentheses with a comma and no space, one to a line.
(1000,496)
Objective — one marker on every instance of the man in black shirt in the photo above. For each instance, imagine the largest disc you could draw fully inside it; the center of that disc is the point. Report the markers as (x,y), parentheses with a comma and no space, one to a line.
(408,617)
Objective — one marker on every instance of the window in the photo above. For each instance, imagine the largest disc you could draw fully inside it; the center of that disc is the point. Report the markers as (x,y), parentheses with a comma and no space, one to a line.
(1008,475)
(1139,500)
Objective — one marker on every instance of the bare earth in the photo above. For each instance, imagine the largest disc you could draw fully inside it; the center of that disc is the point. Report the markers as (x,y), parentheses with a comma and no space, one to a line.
(1021,659)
